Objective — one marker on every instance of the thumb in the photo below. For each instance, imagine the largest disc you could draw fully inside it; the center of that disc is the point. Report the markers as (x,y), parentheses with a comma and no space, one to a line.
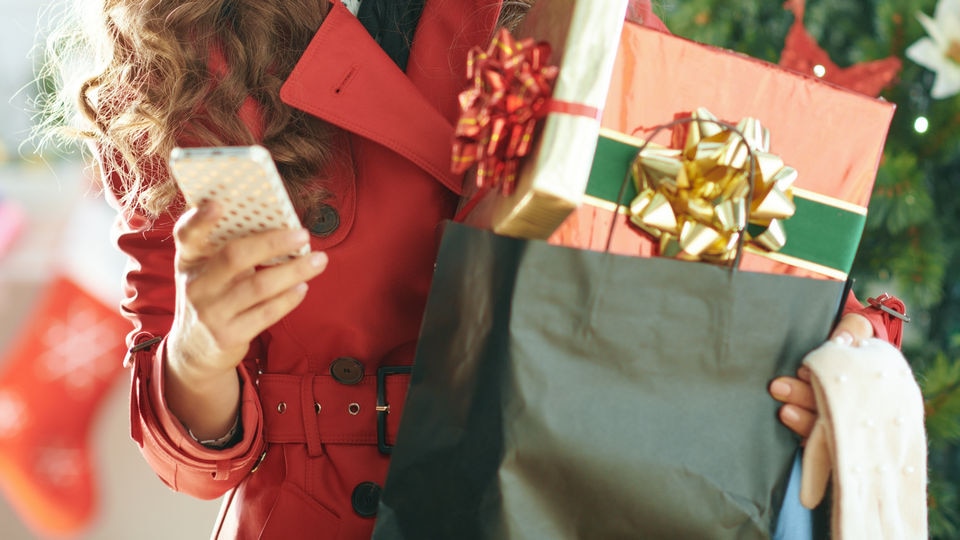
(192,231)
(851,329)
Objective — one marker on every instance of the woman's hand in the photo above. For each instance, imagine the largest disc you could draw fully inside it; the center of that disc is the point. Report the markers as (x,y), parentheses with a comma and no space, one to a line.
(799,411)
(222,303)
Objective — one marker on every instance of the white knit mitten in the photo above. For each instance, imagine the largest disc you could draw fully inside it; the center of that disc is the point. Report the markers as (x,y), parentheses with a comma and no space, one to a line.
(870,435)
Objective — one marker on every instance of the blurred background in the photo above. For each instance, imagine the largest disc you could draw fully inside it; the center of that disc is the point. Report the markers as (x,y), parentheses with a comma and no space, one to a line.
(66,459)
(67,462)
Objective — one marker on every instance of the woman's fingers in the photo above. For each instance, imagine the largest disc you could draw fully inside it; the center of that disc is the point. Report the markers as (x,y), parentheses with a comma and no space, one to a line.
(237,260)
(799,410)
(192,232)
(267,313)
(798,419)
(238,302)
(241,328)
(250,290)
(242,254)
(264,309)
(851,329)
(794,391)
(255,301)
(209,272)
(222,283)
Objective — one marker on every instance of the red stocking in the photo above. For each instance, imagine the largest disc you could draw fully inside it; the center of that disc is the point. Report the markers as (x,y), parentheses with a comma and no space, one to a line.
(55,375)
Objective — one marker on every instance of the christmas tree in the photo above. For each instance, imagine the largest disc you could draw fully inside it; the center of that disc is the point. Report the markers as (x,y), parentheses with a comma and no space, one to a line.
(910,246)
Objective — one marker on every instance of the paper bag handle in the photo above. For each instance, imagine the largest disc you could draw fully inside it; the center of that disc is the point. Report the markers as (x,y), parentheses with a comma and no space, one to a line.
(735,264)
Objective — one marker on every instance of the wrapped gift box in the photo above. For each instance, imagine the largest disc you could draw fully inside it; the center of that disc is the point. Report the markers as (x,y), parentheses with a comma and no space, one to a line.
(833,137)
(583,36)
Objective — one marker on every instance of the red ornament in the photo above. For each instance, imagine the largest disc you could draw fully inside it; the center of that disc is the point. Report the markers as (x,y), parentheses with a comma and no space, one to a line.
(803,54)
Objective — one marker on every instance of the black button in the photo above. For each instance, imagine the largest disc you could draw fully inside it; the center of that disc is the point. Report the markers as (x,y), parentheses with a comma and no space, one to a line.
(365,499)
(346,370)
(322,220)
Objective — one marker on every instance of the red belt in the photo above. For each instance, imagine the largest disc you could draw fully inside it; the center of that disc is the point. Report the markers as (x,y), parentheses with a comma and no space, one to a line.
(314,409)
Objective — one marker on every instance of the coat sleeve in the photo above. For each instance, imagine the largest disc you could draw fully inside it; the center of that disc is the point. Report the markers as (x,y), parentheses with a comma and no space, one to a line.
(149,300)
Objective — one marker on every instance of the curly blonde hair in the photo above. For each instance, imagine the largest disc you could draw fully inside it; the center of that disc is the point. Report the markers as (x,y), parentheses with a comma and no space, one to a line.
(155,86)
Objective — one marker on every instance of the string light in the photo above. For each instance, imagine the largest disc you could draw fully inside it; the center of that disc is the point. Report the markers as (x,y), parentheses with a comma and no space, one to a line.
(921,124)
(819,70)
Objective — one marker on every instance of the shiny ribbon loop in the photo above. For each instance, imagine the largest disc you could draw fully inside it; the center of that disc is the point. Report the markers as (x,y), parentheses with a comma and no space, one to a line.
(510,91)
(697,200)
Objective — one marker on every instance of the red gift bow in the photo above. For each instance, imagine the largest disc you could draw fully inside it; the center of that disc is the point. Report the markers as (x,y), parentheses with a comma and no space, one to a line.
(511,88)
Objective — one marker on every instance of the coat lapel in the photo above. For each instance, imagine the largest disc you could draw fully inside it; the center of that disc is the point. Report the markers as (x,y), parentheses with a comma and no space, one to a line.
(345,78)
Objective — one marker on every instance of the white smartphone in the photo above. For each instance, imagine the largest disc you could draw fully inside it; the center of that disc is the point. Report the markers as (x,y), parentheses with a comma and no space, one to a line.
(245,182)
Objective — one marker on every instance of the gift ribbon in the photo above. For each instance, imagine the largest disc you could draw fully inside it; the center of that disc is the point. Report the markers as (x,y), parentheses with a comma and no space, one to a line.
(510,91)
(698,200)
(822,235)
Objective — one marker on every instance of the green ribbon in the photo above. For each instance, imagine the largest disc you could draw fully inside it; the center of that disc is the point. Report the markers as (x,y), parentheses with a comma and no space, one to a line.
(818,233)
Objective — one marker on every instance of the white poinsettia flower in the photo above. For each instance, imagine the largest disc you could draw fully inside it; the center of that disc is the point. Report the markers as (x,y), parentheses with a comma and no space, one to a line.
(940,51)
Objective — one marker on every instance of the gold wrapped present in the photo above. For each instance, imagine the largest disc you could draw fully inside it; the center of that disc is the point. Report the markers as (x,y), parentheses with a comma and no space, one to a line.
(528,183)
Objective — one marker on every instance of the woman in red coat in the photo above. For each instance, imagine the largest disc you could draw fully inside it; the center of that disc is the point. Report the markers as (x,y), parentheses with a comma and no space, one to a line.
(261,384)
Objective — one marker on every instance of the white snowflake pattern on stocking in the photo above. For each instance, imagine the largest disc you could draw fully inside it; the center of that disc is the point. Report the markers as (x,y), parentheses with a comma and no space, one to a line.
(60,466)
(72,347)
(13,414)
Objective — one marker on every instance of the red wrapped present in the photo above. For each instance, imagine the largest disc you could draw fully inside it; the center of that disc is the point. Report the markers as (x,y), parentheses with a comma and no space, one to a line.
(831,136)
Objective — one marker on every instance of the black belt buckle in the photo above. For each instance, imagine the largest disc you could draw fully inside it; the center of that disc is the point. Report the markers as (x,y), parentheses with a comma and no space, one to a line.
(383,408)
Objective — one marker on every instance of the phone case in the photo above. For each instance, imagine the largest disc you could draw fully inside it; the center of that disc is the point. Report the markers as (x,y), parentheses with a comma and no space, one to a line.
(245,182)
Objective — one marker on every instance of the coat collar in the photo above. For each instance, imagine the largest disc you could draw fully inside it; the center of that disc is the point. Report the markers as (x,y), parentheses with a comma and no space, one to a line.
(346,79)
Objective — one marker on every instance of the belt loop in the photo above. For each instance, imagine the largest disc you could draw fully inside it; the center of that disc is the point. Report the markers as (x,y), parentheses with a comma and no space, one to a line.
(308,414)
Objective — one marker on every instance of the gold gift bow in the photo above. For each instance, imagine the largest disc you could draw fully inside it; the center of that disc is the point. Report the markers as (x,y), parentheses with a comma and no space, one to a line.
(697,201)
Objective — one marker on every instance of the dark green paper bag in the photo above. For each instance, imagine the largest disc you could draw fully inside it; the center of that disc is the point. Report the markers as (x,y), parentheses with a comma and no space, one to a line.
(561,393)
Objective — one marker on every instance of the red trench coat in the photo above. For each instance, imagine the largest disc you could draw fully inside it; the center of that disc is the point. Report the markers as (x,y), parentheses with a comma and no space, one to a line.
(310,439)
(309,460)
